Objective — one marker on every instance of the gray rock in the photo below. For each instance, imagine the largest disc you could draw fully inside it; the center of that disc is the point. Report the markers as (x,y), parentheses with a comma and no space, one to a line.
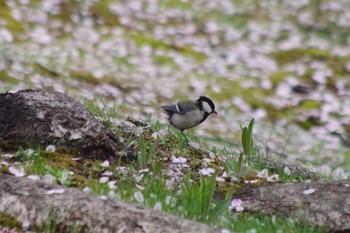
(38,117)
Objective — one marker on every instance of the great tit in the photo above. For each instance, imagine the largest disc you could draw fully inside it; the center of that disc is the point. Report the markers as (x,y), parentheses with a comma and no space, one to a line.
(188,114)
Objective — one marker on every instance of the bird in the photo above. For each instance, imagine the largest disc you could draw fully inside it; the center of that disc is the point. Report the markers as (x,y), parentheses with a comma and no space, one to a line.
(190,113)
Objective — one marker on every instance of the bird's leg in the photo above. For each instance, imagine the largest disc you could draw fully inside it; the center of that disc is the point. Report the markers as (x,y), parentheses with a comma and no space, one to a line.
(186,140)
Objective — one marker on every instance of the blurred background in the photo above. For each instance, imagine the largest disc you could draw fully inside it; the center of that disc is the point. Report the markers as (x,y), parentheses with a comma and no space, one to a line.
(285,63)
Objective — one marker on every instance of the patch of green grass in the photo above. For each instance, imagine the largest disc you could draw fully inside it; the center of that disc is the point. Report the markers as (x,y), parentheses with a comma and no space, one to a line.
(183,5)
(52,226)
(12,25)
(187,51)
(100,9)
(276,77)
(293,55)
(310,104)
(235,20)
(6,78)
(10,222)
(337,64)
(163,60)
(150,180)
(256,222)
(85,76)
(197,200)
(101,108)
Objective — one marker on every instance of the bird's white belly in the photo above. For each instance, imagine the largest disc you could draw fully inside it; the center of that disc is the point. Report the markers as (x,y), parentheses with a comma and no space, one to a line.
(186,121)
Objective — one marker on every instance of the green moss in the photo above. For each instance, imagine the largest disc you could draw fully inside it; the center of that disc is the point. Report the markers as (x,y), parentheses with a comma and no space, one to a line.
(100,10)
(55,163)
(310,104)
(81,169)
(163,60)
(14,26)
(337,64)
(89,78)
(292,55)
(307,75)
(67,9)
(310,122)
(235,20)
(11,145)
(183,5)
(277,77)
(58,160)
(10,222)
(85,76)
(245,222)
(141,39)
(5,77)
(38,68)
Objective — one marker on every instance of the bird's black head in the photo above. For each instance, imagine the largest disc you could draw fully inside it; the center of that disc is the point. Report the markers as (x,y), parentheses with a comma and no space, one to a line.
(206,105)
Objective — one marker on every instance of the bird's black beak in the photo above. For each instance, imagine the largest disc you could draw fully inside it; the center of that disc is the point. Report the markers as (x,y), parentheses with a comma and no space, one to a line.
(215,112)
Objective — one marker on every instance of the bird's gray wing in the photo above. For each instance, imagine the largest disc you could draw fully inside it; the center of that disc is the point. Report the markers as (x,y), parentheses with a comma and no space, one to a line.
(187,106)
(180,108)
(169,108)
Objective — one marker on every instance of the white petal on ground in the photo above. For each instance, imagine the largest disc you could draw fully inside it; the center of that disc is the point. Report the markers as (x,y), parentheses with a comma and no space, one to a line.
(122,169)
(212,155)
(103,197)
(180,160)
(107,173)
(48,178)
(25,224)
(171,201)
(51,148)
(273,178)
(144,170)
(309,191)
(18,172)
(111,184)
(250,181)
(64,176)
(138,178)
(87,190)
(225,231)
(236,204)
(33,177)
(75,159)
(103,179)
(112,194)
(8,155)
(4,163)
(138,197)
(157,206)
(140,187)
(105,163)
(204,172)
(286,171)
(194,145)
(55,191)
(263,173)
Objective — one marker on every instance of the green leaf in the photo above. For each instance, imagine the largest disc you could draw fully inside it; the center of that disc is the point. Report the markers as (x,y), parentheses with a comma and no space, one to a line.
(142,155)
(151,149)
(220,208)
(250,126)
(157,167)
(246,141)
(239,163)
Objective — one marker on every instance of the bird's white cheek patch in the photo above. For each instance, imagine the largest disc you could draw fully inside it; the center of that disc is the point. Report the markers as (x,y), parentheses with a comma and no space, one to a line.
(177,107)
(206,107)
